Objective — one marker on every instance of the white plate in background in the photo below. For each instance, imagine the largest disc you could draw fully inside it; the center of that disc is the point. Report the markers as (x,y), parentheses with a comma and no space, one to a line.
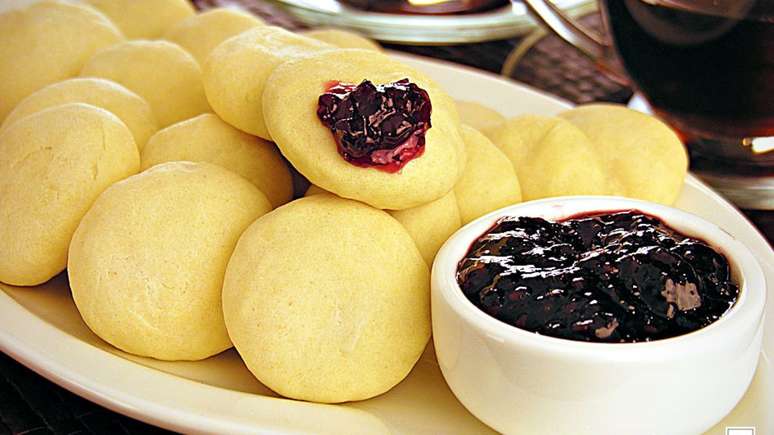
(501,23)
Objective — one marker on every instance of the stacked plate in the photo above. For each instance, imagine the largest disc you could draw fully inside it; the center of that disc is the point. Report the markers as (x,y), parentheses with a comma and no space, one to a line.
(504,22)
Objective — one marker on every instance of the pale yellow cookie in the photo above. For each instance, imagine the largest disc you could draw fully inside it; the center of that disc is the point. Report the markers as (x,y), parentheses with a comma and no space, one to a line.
(132,109)
(594,150)
(489,181)
(327,300)
(147,262)
(428,224)
(9,5)
(161,72)
(478,116)
(552,157)
(236,71)
(647,157)
(53,164)
(199,34)
(431,224)
(520,135)
(290,103)
(342,38)
(45,43)
(144,19)
(314,190)
(206,138)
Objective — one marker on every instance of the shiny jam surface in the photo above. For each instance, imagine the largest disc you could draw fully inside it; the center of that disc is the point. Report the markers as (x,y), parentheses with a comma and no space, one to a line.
(378,126)
(620,276)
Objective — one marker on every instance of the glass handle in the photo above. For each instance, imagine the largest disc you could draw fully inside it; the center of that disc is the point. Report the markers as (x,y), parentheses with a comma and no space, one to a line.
(591,45)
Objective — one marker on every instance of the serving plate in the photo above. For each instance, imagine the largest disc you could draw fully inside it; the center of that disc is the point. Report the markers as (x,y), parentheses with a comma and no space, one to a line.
(41,328)
(505,22)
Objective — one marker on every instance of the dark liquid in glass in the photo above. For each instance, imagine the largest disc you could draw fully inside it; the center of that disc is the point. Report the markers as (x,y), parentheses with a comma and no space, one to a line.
(707,66)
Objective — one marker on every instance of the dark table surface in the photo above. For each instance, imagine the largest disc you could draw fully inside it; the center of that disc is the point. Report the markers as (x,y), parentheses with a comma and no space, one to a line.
(30,404)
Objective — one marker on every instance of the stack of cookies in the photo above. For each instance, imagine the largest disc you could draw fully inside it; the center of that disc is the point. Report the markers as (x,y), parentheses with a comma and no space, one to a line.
(153,153)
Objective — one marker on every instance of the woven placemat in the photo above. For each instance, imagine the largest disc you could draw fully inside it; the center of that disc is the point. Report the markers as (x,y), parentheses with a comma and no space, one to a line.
(549,64)
(30,404)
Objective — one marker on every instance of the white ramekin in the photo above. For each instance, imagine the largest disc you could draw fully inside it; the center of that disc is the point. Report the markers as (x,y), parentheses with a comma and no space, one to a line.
(517,381)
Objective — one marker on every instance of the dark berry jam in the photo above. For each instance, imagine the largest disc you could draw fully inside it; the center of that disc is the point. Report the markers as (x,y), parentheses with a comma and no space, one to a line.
(605,277)
(378,126)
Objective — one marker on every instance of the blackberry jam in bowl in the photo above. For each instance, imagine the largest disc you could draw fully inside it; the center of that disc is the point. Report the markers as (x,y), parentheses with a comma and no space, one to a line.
(597,315)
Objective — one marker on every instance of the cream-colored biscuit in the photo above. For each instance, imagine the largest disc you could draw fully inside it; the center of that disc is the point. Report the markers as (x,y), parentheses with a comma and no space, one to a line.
(132,109)
(431,224)
(9,5)
(594,150)
(314,190)
(201,33)
(518,136)
(478,116)
(47,42)
(327,300)
(489,181)
(342,38)
(428,224)
(144,19)
(552,157)
(53,164)
(290,108)
(647,157)
(161,72)
(236,71)
(147,261)
(206,138)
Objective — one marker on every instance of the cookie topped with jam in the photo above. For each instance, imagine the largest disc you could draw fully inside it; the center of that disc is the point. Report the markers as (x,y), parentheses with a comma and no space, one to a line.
(364,126)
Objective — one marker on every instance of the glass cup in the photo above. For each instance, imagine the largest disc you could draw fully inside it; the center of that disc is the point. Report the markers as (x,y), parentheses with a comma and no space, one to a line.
(706,67)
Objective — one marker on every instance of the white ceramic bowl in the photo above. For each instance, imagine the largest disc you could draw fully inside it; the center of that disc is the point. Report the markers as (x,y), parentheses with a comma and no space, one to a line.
(517,381)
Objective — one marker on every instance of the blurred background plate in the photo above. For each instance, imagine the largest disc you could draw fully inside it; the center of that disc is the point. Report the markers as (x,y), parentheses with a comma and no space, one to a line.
(501,23)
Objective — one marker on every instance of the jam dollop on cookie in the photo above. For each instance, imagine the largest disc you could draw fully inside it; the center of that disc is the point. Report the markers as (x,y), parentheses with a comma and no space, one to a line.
(605,277)
(379,126)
